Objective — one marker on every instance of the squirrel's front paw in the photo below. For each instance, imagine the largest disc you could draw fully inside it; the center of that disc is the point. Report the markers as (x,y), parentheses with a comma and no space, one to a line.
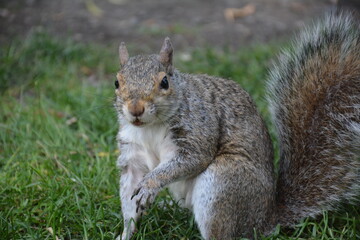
(145,194)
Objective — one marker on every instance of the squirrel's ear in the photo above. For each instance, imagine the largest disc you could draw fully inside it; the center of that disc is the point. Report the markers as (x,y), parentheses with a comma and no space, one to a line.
(123,54)
(166,54)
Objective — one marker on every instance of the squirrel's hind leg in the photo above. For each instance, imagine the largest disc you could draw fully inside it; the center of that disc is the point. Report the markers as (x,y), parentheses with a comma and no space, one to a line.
(232,198)
(130,178)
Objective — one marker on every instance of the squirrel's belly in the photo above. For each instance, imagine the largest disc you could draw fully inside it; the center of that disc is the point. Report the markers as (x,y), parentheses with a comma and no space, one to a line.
(182,192)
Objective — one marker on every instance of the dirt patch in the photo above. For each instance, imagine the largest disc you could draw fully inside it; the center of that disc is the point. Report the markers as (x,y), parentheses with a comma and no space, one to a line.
(144,23)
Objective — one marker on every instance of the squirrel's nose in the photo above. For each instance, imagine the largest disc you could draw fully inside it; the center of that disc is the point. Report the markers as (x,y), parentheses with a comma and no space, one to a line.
(136,109)
(137,112)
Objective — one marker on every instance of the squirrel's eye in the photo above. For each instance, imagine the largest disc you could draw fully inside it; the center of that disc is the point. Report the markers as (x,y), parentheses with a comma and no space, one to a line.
(164,83)
(116,84)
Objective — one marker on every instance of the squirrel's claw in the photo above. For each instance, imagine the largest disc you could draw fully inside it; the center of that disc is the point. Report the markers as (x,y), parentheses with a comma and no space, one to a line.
(143,199)
(144,196)
(136,192)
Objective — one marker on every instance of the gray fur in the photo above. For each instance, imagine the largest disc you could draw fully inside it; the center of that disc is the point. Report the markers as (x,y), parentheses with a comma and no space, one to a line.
(204,139)
(224,149)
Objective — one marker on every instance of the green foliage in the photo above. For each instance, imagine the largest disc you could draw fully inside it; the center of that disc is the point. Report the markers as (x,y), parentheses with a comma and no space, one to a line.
(57,141)
(57,144)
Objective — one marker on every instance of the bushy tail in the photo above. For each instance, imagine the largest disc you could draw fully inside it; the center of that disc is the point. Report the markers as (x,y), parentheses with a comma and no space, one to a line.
(315,103)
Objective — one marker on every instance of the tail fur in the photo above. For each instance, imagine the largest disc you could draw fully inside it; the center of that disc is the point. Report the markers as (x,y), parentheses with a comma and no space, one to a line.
(315,103)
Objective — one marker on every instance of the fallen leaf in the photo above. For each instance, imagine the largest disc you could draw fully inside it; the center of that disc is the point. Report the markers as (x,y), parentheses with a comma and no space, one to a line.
(51,231)
(71,121)
(232,13)
(103,154)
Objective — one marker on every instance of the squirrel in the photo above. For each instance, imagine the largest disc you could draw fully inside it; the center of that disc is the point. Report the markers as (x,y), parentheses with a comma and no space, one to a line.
(203,138)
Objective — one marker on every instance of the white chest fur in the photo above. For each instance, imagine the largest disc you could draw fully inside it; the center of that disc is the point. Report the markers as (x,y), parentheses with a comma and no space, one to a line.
(145,147)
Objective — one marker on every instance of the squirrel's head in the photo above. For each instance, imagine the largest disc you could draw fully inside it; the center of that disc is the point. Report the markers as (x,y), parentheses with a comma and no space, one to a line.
(145,92)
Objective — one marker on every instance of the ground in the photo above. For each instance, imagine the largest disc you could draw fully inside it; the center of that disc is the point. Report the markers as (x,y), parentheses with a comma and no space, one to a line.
(143,24)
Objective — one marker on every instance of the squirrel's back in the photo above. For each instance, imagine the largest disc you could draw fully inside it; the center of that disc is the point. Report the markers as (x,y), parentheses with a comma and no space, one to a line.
(315,102)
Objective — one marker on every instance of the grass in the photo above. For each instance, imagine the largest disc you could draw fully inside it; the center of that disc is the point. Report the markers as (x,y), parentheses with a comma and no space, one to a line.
(58,177)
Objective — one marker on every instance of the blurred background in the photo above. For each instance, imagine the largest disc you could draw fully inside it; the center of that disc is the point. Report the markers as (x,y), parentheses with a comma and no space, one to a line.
(145,23)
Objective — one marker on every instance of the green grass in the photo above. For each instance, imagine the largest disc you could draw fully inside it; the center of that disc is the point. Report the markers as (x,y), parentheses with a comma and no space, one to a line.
(57,144)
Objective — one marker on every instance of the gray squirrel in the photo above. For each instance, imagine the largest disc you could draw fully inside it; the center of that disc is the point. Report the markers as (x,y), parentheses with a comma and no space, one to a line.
(203,138)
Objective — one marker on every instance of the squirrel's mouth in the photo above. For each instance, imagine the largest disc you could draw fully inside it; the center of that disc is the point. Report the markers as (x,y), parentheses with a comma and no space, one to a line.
(137,122)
